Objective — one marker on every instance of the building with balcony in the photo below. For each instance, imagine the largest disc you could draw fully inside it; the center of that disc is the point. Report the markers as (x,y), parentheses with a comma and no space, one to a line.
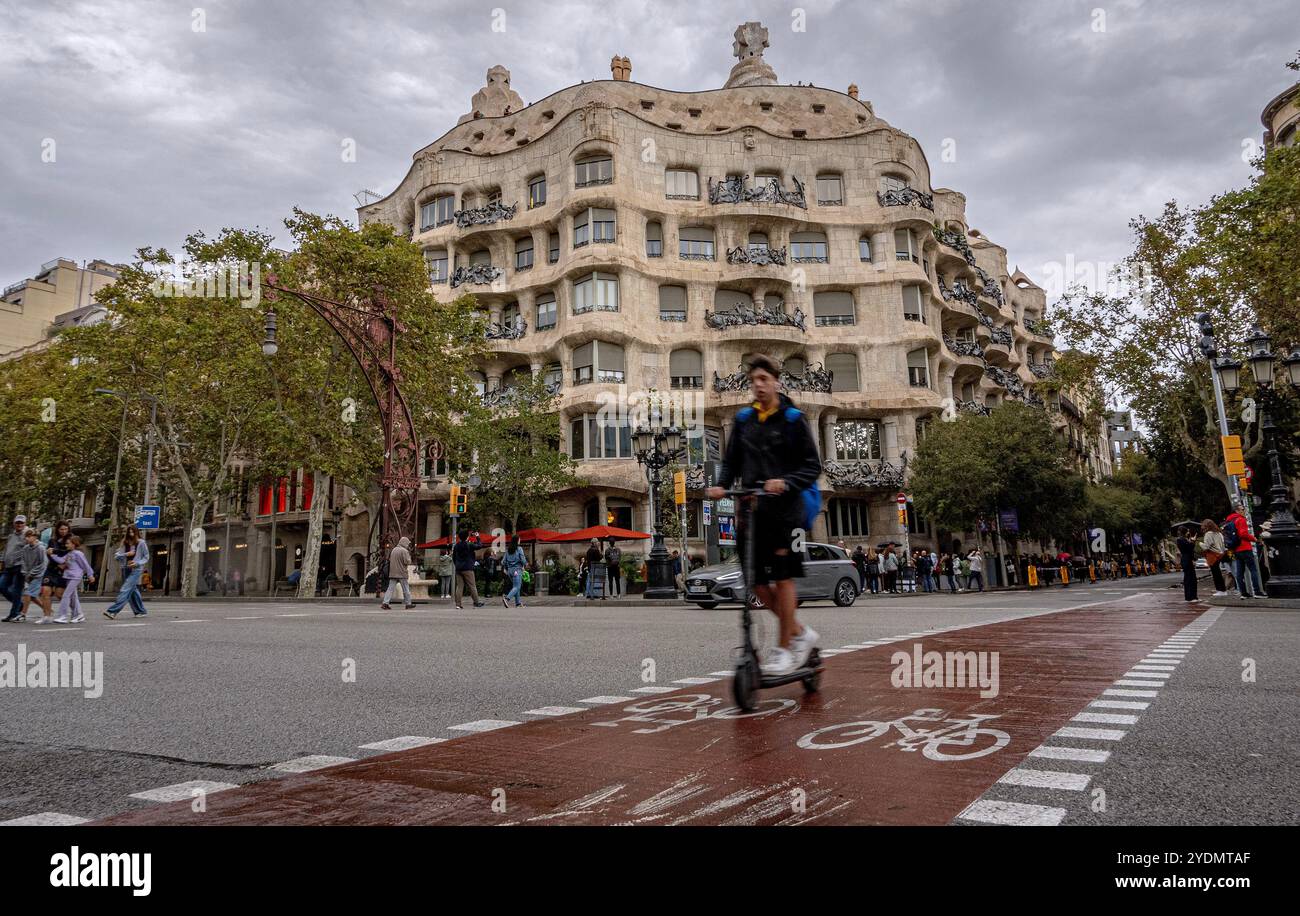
(60,294)
(625,239)
(1281,117)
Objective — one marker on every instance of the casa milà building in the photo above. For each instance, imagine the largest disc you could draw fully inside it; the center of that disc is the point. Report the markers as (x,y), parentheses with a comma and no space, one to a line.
(625,239)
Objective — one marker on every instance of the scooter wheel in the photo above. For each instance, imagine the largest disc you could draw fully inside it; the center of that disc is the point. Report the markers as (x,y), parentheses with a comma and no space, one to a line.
(812,683)
(745,684)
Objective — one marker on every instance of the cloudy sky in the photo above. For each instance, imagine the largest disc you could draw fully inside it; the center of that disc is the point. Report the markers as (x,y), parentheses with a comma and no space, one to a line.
(162,117)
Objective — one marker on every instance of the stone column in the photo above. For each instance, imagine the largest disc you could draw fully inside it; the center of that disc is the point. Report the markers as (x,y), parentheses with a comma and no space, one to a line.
(828,419)
(882,249)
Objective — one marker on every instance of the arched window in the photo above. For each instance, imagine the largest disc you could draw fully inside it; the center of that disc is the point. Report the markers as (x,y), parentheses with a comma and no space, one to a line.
(864,248)
(536,191)
(913,305)
(593,170)
(553,376)
(844,371)
(757,243)
(672,303)
(524,253)
(654,239)
(600,361)
(595,292)
(905,245)
(479,380)
(857,440)
(730,300)
(436,260)
(553,248)
(774,302)
(830,190)
(918,368)
(808,247)
(546,311)
(795,365)
(686,369)
(833,307)
(681,184)
(892,182)
(482,256)
(593,225)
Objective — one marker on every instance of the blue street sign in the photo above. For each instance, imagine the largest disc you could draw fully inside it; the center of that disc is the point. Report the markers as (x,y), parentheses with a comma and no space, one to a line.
(1010,520)
(148,517)
(708,512)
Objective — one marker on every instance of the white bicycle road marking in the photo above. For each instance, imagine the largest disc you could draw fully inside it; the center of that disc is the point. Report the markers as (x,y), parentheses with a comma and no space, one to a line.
(960,738)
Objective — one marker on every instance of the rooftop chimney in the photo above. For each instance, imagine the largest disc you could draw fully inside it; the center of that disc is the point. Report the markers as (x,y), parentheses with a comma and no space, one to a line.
(621,67)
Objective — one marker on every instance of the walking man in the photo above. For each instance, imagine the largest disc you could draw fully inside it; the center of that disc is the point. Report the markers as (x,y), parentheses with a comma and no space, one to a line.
(613,557)
(399,562)
(11,576)
(462,557)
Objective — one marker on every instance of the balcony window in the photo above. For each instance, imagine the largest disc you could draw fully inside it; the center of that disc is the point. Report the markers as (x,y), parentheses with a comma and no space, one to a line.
(553,248)
(654,240)
(808,247)
(833,308)
(537,192)
(905,245)
(672,303)
(546,311)
(764,179)
(437,212)
(481,258)
(436,262)
(595,292)
(857,440)
(524,253)
(592,437)
(593,170)
(918,369)
(844,371)
(479,380)
(731,300)
(686,369)
(830,191)
(510,315)
(600,361)
(848,518)
(795,365)
(553,376)
(892,183)
(681,184)
(594,225)
(913,305)
(864,249)
(696,244)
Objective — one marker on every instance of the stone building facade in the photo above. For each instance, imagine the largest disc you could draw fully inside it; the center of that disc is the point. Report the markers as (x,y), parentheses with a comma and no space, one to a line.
(631,242)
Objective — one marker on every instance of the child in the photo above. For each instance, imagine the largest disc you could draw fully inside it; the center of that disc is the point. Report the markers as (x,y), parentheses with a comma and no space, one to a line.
(75,568)
(33,569)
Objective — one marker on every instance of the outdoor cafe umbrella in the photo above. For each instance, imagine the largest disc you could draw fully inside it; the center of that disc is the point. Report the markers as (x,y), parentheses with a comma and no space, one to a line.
(603,532)
(1185,523)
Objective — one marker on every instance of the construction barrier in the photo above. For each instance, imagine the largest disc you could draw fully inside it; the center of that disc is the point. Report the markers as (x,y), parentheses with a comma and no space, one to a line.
(1065,575)
(1032,575)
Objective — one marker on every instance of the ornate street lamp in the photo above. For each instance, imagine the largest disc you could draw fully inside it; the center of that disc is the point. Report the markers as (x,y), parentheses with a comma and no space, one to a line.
(270,346)
(656,449)
(1283,537)
(1229,374)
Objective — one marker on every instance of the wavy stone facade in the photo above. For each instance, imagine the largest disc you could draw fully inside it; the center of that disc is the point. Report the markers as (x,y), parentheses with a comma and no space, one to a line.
(903,324)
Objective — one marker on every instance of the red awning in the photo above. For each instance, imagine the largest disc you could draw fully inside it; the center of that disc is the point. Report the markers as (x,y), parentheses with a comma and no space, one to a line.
(527,536)
(603,532)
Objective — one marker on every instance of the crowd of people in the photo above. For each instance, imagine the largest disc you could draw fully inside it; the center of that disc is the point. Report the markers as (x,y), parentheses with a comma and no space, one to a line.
(1229,550)
(890,570)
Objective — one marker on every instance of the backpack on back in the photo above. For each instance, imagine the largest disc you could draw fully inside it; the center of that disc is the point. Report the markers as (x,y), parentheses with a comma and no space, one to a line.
(1231,536)
(810,498)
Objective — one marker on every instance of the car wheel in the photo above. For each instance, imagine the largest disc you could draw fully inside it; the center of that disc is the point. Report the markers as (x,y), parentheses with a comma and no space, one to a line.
(845,593)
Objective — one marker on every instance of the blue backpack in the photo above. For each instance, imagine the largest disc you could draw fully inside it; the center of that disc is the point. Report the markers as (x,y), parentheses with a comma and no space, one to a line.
(810,499)
(1231,537)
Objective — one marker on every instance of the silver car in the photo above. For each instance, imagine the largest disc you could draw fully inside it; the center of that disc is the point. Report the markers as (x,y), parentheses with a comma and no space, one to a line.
(827,573)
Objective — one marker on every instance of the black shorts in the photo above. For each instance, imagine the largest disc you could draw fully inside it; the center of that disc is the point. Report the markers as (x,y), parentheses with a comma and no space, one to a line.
(772,535)
(54,580)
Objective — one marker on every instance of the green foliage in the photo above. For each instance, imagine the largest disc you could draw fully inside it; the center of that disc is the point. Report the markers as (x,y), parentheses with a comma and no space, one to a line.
(971,467)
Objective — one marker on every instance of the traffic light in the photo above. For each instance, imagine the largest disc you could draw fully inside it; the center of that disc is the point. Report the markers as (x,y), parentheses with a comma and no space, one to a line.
(456,501)
(1233,462)
(1206,324)
(461,498)
(679,488)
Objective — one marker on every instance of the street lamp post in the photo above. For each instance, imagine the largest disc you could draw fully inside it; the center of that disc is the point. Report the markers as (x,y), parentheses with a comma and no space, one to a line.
(1283,537)
(655,449)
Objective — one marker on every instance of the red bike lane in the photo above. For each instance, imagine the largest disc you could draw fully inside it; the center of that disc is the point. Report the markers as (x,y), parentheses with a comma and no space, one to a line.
(691,757)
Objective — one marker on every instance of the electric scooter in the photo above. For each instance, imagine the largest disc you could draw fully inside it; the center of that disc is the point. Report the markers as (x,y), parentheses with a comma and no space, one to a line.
(749,678)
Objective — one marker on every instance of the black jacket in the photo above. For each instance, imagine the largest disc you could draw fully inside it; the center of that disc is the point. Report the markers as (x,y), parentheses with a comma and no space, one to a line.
(462,555)
(782,446)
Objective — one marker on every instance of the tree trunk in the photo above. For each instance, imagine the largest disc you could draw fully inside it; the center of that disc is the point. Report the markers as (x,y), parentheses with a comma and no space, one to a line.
(194,559)
(315,522)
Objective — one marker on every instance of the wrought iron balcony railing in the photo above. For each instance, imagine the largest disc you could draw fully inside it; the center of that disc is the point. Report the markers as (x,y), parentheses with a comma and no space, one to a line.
(959,292)
(957,241)
(506,330)
(1042,370)
(973,407)
(1038,327)
(1008,380)
(866,475)
(747,315)
(814,378)
(1003,337)
(484,216)
(904,197)
(475,273)
(990,288)
(734,190)
(964,347)
(759,255)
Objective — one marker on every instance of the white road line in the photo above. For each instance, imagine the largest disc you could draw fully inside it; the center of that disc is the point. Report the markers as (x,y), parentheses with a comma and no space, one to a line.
(831,653)
(481,725)
(853,646)
(1046,779)
(293,615)
(189,621)
(1012,814)
(45,819)
(1077,754)
(602,701)
(1152,675)
(555,710)
(649,690)
(1133,683)
(406,742)
(183,790)
(1119,704)
(308,763)
(1131,693)
(1105,718)
(128,624)
(244,618)
(1099,734)
(727,673)
(692,681)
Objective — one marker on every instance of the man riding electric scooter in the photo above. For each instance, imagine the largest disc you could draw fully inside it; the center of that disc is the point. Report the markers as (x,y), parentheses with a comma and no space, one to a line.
(772,447)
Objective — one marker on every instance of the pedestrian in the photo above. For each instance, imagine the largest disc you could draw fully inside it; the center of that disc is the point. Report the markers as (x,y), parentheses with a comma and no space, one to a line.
(963,571)
(132,555)
(462,557)
(1187,557)
(679,578)
(237,581)
(593,559)
(976,568)
(1238,540)
(889,566)
(946,570)
(76,568)
(873,570)
(399,563)
(859,558)
(513,565)
(11,568)
(56,545)
(32,563)
(613,570)
(1212,547)
(446,572)
(923,569)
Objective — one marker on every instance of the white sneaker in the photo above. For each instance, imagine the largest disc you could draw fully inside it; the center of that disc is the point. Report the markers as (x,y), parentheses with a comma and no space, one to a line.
(1220,594)
(40,620)
(779,661)
(80,618)
(802,645)
(60,620)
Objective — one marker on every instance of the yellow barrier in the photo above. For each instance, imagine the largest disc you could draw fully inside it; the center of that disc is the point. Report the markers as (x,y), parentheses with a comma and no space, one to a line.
(1032,573)
(1092,572)
(1065,575)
